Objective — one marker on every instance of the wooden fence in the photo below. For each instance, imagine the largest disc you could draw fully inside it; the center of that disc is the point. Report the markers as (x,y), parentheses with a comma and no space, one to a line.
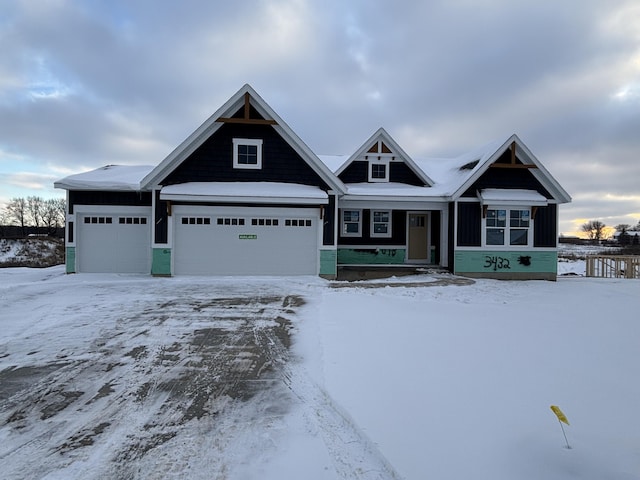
(613,266)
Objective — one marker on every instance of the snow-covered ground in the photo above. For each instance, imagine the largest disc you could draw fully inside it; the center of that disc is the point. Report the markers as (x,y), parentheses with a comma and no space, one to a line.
(405,380)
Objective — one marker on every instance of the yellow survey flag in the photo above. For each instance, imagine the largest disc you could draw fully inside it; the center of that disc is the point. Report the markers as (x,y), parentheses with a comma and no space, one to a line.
(559,414)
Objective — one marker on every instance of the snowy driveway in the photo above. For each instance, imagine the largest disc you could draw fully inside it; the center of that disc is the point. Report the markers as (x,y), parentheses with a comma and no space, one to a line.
(135,377)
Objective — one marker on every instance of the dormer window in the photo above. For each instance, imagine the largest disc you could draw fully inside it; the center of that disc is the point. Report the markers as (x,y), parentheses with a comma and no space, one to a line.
(247,153)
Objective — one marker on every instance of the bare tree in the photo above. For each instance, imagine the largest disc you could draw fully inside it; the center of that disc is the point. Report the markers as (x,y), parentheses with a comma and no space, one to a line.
(35,207)
(594,229)
(53,214)
(17,213)
(4,221)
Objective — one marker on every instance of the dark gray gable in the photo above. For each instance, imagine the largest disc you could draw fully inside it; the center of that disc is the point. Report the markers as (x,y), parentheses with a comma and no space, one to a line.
(508,172)
(212,161)
(207,154)
(382,148)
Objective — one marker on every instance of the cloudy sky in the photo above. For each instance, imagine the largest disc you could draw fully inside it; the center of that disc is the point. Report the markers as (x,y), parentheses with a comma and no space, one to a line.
(85,83)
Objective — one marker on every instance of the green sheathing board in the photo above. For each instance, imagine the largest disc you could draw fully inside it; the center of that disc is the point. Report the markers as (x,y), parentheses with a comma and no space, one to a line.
(328,267)
(70,259)
(507,264)
(373,256)
(161,262)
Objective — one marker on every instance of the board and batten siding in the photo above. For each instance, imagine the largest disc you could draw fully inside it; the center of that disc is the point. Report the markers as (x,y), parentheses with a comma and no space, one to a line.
(545,226)
(356,172)
(399,172)
(469,224)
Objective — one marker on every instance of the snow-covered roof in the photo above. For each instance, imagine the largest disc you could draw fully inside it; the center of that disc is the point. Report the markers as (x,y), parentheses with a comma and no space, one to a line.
(110,177)
(449,174)
(390,189)
(513,196)
(237,192)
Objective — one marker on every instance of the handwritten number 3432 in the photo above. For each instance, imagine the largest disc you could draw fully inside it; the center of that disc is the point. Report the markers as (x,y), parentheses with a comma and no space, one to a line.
(498,263)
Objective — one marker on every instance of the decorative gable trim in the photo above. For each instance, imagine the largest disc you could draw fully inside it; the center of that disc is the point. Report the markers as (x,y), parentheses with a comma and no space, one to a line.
(244,99)
(521,158)
(382,146)
(246,117)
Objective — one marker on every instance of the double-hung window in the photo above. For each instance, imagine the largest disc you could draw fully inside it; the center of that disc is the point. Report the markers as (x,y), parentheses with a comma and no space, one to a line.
(507,227)
(247,153)
(519,227)
(380,223)
(351,223)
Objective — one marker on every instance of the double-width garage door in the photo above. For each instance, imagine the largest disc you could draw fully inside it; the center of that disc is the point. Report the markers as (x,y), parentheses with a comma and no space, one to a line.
(245,241)
(113,243)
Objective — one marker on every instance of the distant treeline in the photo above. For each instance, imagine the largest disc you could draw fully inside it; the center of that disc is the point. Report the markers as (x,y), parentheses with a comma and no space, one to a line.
(14,231)
(22,217)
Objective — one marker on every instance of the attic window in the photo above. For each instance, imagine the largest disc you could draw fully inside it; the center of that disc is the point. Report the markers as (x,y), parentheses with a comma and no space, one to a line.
(247,153)
(470,165)
(379,170)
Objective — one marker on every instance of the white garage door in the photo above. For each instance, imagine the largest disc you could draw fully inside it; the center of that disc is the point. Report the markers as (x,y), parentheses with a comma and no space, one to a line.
(113,243)
(245,241)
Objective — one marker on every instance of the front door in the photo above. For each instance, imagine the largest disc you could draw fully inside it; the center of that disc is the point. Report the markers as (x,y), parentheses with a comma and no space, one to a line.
(418,239)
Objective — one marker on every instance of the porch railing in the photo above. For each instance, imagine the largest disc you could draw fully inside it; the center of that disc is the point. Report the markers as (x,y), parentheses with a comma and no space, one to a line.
(613,266)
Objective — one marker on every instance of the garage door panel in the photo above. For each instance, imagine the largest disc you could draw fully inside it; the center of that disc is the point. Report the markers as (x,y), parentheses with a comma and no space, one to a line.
(114,243)
(216,242)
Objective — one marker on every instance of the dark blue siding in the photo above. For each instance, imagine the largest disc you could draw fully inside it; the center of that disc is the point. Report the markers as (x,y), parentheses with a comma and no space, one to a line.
(545,226)
(469,225)
(356,172)
(86,197)
(400,172)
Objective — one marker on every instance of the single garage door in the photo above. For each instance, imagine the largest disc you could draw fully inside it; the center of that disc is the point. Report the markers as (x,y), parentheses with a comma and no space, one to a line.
(113,243)
(245,241)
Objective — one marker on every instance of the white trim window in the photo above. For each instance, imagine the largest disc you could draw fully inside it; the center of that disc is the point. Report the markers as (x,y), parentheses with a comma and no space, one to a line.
(381,223)
(379,171)
(247,153)
(351,223)
(508,227)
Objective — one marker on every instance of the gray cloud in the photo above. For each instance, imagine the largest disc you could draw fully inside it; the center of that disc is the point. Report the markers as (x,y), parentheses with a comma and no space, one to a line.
(83,84)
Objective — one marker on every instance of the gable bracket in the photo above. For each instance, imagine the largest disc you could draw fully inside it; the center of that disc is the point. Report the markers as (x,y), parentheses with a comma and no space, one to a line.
(513,163)
(246,119)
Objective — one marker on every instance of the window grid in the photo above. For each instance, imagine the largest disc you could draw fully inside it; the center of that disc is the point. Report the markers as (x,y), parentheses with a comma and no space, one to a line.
(132,220)
(351,223)
(265,222)
(295,222)
(247,153)
(230,221)
(98,220)
(516,233)
(380,223)
(196,221)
